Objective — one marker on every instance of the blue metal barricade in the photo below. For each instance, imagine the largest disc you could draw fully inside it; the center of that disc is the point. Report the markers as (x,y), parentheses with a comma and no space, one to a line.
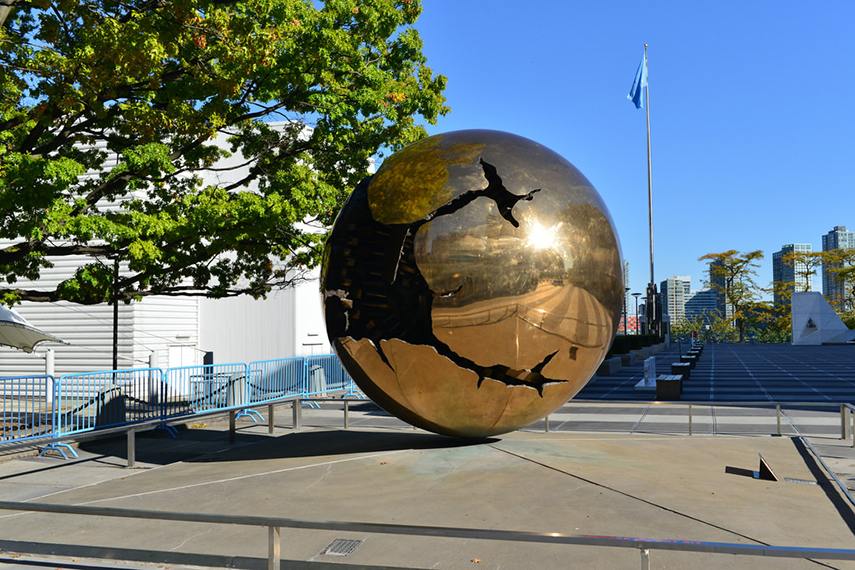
(26,407)
(325,376)
(205,388)
(105,398)
(275,379)
(48,409)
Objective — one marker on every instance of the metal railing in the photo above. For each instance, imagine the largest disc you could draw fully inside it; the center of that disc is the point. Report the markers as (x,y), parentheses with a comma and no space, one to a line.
(779,406)
(274,526)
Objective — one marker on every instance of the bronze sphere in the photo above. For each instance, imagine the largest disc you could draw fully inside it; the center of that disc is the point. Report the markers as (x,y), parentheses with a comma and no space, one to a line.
(473,284)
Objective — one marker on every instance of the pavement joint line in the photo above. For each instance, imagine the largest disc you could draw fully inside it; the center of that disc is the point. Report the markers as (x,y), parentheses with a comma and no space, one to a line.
(127,475)
(87,485)
(641,419)
(242,477)
(628,495)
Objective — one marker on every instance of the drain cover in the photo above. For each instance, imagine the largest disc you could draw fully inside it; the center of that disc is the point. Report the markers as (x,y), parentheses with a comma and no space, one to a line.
(341,547)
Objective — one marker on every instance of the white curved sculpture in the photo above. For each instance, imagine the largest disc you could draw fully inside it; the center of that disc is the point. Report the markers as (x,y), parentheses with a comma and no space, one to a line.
(815,322)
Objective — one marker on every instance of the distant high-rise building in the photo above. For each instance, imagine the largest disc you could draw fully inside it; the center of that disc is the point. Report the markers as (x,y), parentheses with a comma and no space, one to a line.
(674,292)
(833,286)
(792,275)
(702,304)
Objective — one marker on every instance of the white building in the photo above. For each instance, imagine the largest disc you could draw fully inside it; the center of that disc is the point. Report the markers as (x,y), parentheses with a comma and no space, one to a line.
(675,291)
(169,331)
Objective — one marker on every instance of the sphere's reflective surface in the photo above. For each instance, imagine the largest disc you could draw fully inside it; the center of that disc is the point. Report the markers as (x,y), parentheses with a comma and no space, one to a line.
(473,284)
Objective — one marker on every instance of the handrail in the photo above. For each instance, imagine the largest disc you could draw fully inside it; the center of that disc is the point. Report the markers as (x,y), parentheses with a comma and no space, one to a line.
(274,524)
(828,470)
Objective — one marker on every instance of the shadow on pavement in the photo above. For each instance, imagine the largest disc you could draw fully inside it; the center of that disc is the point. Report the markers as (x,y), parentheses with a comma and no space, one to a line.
(209,445)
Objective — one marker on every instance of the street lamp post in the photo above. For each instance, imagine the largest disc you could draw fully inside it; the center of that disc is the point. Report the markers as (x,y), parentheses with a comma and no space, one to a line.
(636,295)
(625,291)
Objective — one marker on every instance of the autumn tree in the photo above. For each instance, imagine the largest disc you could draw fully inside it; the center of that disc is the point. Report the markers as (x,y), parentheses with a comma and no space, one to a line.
(116,118)
(733,275)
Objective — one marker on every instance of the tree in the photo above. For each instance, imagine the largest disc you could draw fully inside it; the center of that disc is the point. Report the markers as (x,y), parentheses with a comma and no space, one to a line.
(765,322)
(733,276)
(687,328)
(804,264)
(111,112)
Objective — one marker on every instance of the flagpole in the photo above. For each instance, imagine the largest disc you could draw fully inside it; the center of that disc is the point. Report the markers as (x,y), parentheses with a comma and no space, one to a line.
(652,309)
(649,170)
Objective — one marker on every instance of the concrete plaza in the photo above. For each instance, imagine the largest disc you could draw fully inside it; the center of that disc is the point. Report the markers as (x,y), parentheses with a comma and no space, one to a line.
(581,483)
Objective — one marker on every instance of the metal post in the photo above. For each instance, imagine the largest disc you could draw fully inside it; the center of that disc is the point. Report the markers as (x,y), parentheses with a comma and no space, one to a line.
(50,370)
(231,426)
(132,448)
(296,415)
(843,422)
(778,417)
(690,419)
(274,547)
(270,408)
(346,415)
(115,314)
(546,424)
(645,559)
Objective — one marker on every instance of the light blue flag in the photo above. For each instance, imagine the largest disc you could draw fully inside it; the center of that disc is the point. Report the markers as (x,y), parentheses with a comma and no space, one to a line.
(636,93)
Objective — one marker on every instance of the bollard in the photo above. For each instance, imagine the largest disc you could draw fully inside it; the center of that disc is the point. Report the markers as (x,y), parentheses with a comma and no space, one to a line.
(690,419)
(132,448)
(546,424)
(274,547)
(778,417)
(270,425)
(843,421)
(852,426)
(852,431)
(296,414)
(645,559)
(346,415)
(231,426)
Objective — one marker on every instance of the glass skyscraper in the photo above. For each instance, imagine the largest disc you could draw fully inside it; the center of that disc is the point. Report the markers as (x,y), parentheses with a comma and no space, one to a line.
(793,276)
(833,287)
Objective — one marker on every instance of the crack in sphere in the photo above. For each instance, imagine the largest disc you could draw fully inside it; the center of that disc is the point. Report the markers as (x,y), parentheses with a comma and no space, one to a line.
(473,284)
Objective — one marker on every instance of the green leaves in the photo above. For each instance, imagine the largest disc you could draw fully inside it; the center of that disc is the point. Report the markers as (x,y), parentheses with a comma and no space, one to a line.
(193,140)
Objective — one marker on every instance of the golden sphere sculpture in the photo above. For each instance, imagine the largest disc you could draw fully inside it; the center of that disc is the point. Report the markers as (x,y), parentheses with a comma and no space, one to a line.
(473,284)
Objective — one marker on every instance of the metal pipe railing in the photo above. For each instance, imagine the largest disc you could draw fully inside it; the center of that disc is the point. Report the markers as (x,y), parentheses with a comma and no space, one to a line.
(275,524)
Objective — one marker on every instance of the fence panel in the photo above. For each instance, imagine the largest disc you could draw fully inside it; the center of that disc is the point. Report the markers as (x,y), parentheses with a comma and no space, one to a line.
(25,408)
(326,376)
(106,398)
(278,378)
(205,388)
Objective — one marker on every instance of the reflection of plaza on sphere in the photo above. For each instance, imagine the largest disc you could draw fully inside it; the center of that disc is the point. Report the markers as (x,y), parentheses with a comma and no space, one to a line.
(473,284)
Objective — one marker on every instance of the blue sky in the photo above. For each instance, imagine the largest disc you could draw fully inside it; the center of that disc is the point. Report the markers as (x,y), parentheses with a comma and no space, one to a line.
(753,112)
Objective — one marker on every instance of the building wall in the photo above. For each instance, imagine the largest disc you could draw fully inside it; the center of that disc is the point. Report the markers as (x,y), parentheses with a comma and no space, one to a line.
(166,330)
(792,274)
(288,322)
(702,304)
(675,292)
(832,286)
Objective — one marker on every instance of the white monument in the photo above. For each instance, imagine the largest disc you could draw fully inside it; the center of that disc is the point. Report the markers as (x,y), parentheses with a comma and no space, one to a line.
(815,322)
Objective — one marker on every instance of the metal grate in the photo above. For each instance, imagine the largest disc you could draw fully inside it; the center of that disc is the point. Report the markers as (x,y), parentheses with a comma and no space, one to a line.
(341,547)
